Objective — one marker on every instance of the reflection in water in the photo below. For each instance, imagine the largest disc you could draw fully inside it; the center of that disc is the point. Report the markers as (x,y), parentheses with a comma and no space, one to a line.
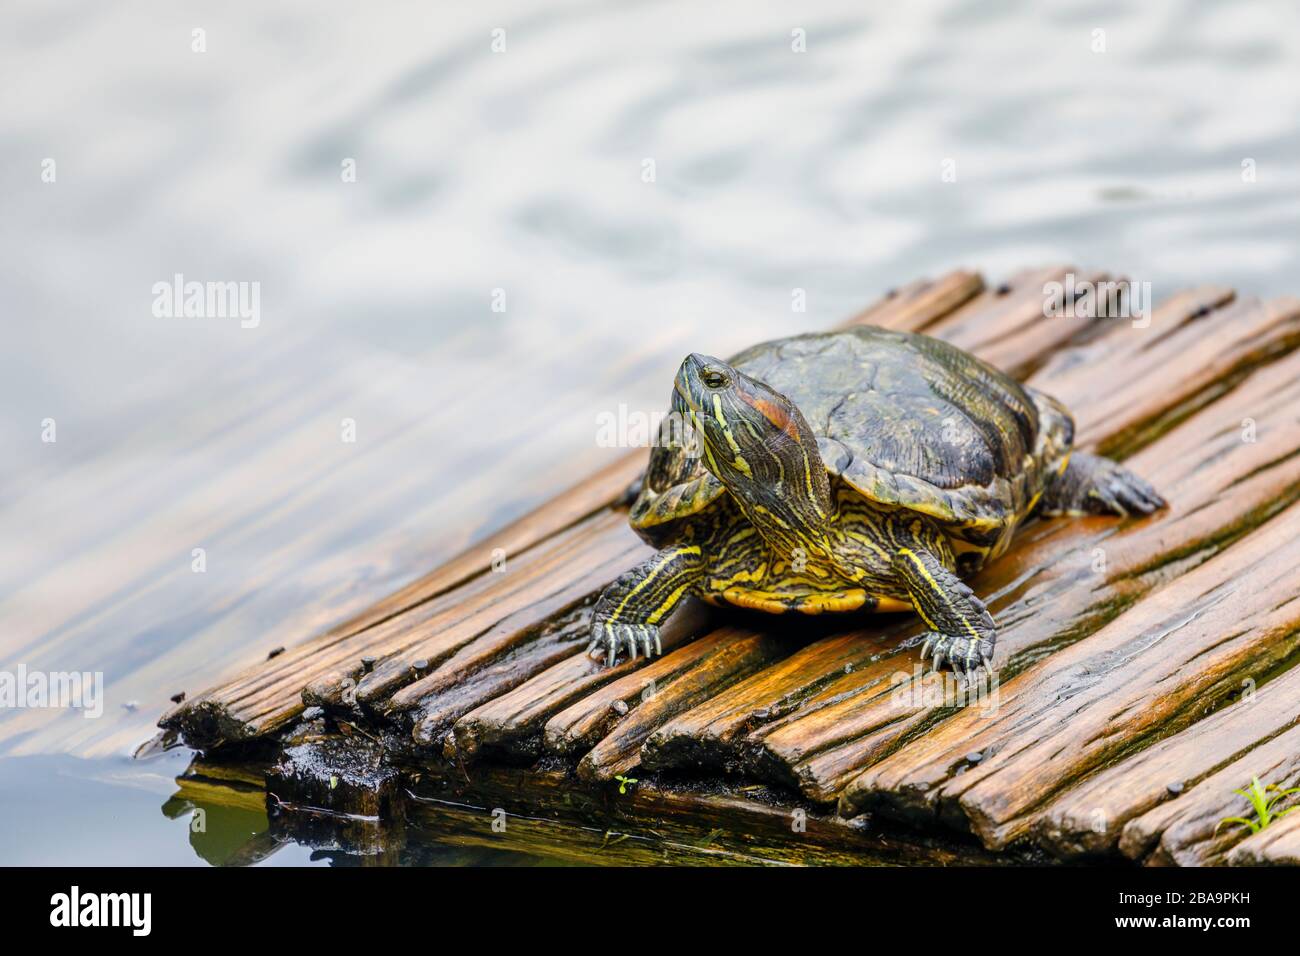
(69,811)
(225,815)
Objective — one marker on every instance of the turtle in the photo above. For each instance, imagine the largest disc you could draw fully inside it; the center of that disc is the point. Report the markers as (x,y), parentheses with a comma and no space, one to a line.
(866,469)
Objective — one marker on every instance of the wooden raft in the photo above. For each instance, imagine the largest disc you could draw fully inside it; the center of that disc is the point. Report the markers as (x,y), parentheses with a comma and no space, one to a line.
(1143,664)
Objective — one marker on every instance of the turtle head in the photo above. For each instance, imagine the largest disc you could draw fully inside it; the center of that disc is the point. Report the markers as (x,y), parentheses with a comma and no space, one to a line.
(757,443)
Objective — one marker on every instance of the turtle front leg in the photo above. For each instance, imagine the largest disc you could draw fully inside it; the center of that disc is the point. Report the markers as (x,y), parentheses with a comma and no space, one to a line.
(1092,484)
(628,614)
(961,629)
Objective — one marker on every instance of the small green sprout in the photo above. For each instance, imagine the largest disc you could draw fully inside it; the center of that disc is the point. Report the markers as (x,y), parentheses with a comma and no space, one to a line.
(1264,800)
(624,782)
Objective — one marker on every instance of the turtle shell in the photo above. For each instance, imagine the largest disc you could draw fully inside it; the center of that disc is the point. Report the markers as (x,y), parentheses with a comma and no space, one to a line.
(907,421)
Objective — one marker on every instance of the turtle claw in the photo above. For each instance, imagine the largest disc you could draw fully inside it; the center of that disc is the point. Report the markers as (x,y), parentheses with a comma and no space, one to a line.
(1118,491)
(612,640)
(965,655)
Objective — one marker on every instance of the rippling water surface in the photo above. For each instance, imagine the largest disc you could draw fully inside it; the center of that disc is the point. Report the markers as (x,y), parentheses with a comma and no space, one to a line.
(519,178)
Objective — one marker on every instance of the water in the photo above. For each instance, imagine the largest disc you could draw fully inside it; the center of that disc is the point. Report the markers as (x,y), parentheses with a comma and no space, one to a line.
(521,171)
(111,812)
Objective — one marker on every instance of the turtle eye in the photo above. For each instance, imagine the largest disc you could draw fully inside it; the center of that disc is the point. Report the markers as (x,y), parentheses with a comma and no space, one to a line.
(712,378)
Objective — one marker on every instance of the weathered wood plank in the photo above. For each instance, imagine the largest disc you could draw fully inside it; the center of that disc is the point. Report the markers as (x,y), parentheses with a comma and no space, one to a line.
(1195,362)
(1275,845)
(1088,819)
(921,303)
(712,734)
(1162,664)
(1010,328)
(431,631)
(463,684)
(583,568)
(514,721)
(613,722)
(1183,831)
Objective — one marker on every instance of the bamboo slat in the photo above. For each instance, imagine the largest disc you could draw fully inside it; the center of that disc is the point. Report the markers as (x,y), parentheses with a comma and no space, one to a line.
(612,737)
(1276,845)
(513,720)
(1210,352)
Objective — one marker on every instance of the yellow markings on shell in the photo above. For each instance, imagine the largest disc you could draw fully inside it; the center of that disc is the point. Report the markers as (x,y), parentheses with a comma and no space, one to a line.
(894,604)
(756,600)
(835,601)
(776,602)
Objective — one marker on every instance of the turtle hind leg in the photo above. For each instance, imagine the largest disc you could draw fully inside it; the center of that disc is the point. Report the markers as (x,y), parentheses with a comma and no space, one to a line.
(1092,484)
(629,611)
